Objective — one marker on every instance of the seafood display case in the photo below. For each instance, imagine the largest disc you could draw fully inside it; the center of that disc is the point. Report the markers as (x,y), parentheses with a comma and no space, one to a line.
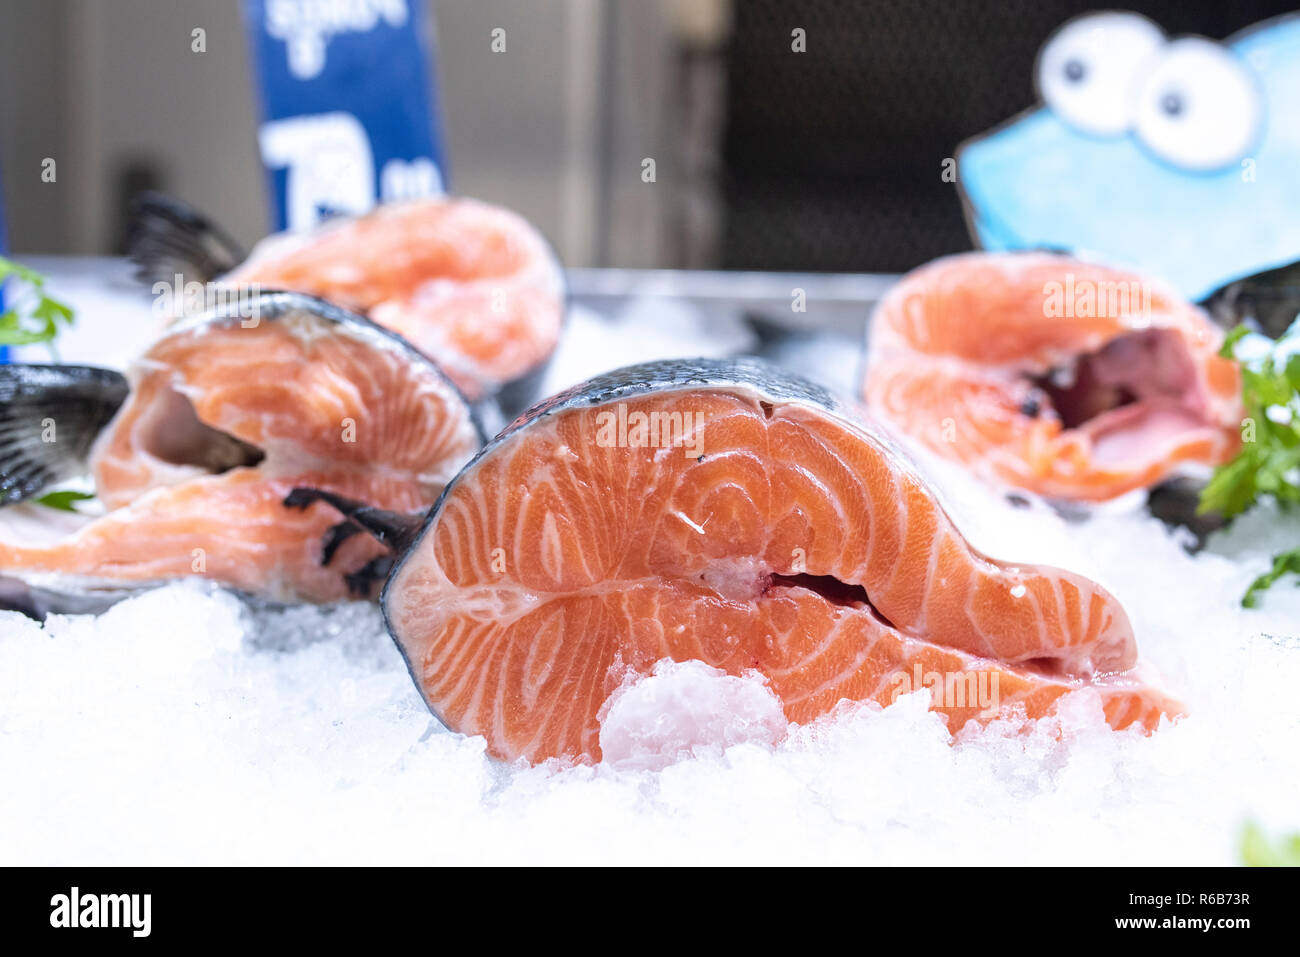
(597,432)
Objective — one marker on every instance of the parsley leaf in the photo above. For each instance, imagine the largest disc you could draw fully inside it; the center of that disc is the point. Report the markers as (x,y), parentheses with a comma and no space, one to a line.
(33,316)
(1269,461)
(64,500)
(1258,851)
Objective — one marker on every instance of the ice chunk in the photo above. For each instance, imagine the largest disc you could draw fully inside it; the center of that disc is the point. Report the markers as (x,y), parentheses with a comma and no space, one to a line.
(682,709)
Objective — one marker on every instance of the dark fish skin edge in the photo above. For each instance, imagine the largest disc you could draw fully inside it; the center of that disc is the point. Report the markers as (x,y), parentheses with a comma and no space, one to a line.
(38,602)
(34,378)
(665,374)
(628,382)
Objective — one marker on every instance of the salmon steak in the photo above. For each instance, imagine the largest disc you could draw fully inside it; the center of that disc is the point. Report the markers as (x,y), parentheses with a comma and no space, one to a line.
(727,512)
(225,415)
(472,285)
(1064,378)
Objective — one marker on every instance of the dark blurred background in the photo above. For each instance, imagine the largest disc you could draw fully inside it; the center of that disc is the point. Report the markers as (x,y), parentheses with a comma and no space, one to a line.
(832,159)
(827,160)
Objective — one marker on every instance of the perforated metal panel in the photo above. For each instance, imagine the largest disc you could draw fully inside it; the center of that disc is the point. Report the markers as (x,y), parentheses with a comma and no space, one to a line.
(833,157)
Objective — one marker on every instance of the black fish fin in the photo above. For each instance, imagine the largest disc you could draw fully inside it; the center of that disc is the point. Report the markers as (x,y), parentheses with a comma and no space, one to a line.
(167,238)
(395,530)
(361,583)
(335,537)
(1265,301)
(1177,502)
(769,333)
(49,418)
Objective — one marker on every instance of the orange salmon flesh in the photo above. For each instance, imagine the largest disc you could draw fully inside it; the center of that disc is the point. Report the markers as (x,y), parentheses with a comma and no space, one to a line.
(1044,373)
(323,404)
(471,285)
(778,536)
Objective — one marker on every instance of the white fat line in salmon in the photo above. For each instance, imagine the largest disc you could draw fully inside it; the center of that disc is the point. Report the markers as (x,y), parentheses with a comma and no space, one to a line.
(653,430)
(1095,298)
(951,689)
(176,297)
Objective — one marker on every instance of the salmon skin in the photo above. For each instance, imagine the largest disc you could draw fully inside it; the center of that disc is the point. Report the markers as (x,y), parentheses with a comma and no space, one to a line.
(1041,372)
(474,286)
(728,512)
(227,413)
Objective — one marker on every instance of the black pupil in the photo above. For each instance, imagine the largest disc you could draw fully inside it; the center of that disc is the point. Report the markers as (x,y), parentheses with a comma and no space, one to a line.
(1074,71)
(1172,103)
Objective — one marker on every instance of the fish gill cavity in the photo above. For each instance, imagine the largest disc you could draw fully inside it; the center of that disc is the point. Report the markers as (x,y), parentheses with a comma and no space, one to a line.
(1150,364)
(175,434)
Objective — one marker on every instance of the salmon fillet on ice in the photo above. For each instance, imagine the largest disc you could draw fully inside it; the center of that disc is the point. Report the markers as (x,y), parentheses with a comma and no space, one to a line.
(725,512)
(1061,377)
(225,415)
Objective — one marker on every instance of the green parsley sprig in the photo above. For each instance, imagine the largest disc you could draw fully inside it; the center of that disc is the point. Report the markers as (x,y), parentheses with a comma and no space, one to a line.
(32,316)
(1258,850)
(1269,461)
(65,500)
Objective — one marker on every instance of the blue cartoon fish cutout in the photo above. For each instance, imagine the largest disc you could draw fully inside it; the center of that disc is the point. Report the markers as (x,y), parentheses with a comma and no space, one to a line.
(1176,157)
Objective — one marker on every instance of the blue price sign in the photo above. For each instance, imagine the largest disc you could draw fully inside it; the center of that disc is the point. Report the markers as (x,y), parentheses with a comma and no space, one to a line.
(348,111)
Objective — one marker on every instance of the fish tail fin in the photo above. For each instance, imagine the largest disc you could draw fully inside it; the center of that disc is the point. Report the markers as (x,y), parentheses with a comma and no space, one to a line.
(49,419)
(167,238)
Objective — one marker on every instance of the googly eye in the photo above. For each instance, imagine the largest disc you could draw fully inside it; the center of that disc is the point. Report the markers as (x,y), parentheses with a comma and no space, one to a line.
(1087,70)
(1198,106)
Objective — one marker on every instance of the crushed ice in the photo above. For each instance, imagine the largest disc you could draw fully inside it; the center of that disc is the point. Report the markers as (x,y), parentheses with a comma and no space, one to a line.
(184,726)
(683,709)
